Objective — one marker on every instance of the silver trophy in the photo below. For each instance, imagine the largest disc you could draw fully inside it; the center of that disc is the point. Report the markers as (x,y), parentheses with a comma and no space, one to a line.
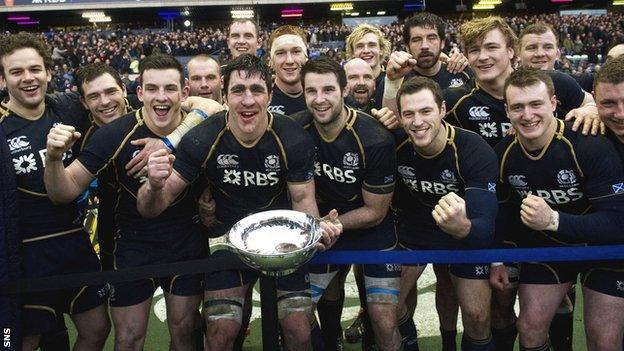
(275,242)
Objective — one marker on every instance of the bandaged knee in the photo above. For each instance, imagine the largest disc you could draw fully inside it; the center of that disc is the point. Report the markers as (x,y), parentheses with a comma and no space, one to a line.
(319,283)
(225,308)
(289,302)
(382,290)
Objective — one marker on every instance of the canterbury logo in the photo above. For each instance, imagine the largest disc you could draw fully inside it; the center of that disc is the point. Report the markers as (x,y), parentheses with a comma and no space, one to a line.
(17,143)
(227,160)
(479,112)
(517,181)
(406,171)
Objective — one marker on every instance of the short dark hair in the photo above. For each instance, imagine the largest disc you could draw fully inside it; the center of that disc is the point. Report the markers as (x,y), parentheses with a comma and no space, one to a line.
(527,76)
(161,61)
(93,71)
(11,42)
(539,28)
(425,20)
(324,64)
(415,84)
(251,65)
(611,72)
(244,20)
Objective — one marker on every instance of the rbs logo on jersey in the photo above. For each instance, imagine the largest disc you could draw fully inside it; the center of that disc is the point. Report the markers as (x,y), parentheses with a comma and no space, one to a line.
(334,173)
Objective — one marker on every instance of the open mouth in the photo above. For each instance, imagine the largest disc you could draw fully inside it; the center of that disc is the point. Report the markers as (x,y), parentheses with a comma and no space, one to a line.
(420,132)
(161,110)
(247,116)
(108,111)
(530,125)
(30,89)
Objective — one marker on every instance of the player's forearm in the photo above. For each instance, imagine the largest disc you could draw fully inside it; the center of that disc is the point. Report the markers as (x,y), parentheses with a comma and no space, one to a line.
(60,185)
(391,88)
(362,218)
(601,227)
(152,202)
(482,208)
(192,119)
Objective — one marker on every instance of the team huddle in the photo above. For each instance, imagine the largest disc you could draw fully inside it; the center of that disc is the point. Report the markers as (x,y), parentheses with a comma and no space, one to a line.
(488,148)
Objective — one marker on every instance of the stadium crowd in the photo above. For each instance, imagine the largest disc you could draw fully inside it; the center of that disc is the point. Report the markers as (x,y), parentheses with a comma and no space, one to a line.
(399,142)
(124,48)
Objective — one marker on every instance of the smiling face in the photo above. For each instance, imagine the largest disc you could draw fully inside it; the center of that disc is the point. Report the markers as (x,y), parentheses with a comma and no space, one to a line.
(490,58)
(323,96)
(531,112)
(286,62)
(421,118)
(104,98)
(162,94)
(610,102)
(360,81)
(25,77)
(539,50)
(243,39)
(247,99)
(368,49)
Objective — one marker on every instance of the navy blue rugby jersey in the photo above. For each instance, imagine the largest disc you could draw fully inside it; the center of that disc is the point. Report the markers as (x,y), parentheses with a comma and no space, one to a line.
(380,85)
(619,146)
(466,166)
(284,104)
(472,108)
(444,78)
(110,147)
(246,180)
(581,177)
(39,217)
(361,157)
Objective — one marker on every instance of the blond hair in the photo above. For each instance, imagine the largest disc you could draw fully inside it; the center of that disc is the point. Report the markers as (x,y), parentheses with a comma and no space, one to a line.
(476,29)
(359,32)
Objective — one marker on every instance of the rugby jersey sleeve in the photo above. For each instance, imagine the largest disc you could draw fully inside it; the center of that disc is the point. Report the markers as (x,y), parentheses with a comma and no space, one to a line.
(380,164)
(193,151)
(479,167)
(102,146)
(69,107)
(604,186)
(569,93)
(300,153)
(451,98)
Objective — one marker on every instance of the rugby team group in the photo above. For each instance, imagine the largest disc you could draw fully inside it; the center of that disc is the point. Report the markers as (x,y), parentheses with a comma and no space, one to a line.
(485,148)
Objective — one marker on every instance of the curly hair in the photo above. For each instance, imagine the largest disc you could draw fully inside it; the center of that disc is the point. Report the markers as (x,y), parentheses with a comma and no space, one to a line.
(11,42)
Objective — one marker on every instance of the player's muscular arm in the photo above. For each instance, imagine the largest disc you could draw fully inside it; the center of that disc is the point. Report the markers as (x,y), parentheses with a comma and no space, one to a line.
(371,214)
(400,63)
(163,185)
(62,184)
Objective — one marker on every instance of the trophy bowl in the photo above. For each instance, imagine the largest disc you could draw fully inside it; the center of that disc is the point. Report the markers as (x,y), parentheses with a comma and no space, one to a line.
(275,242)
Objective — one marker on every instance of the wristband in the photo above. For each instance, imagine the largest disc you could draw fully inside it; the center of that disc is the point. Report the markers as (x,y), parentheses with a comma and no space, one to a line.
(391,88)
(496,264)
(201,113)
(554,222)
(168,144)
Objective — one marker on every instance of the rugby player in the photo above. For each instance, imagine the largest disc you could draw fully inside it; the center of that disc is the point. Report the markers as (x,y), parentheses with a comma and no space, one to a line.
(243,37)
(445,199)
(139,241)
(604,326)
(555,192)
(538,48)
(204,77)
(252,158)
(354,173)
(288,53)
(52,239)
(360,85)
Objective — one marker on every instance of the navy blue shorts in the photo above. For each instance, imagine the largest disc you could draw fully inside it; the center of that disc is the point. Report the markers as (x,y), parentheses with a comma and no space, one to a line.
(606,277)
(380,238)
(70,253)
(549,272)
(134,253)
